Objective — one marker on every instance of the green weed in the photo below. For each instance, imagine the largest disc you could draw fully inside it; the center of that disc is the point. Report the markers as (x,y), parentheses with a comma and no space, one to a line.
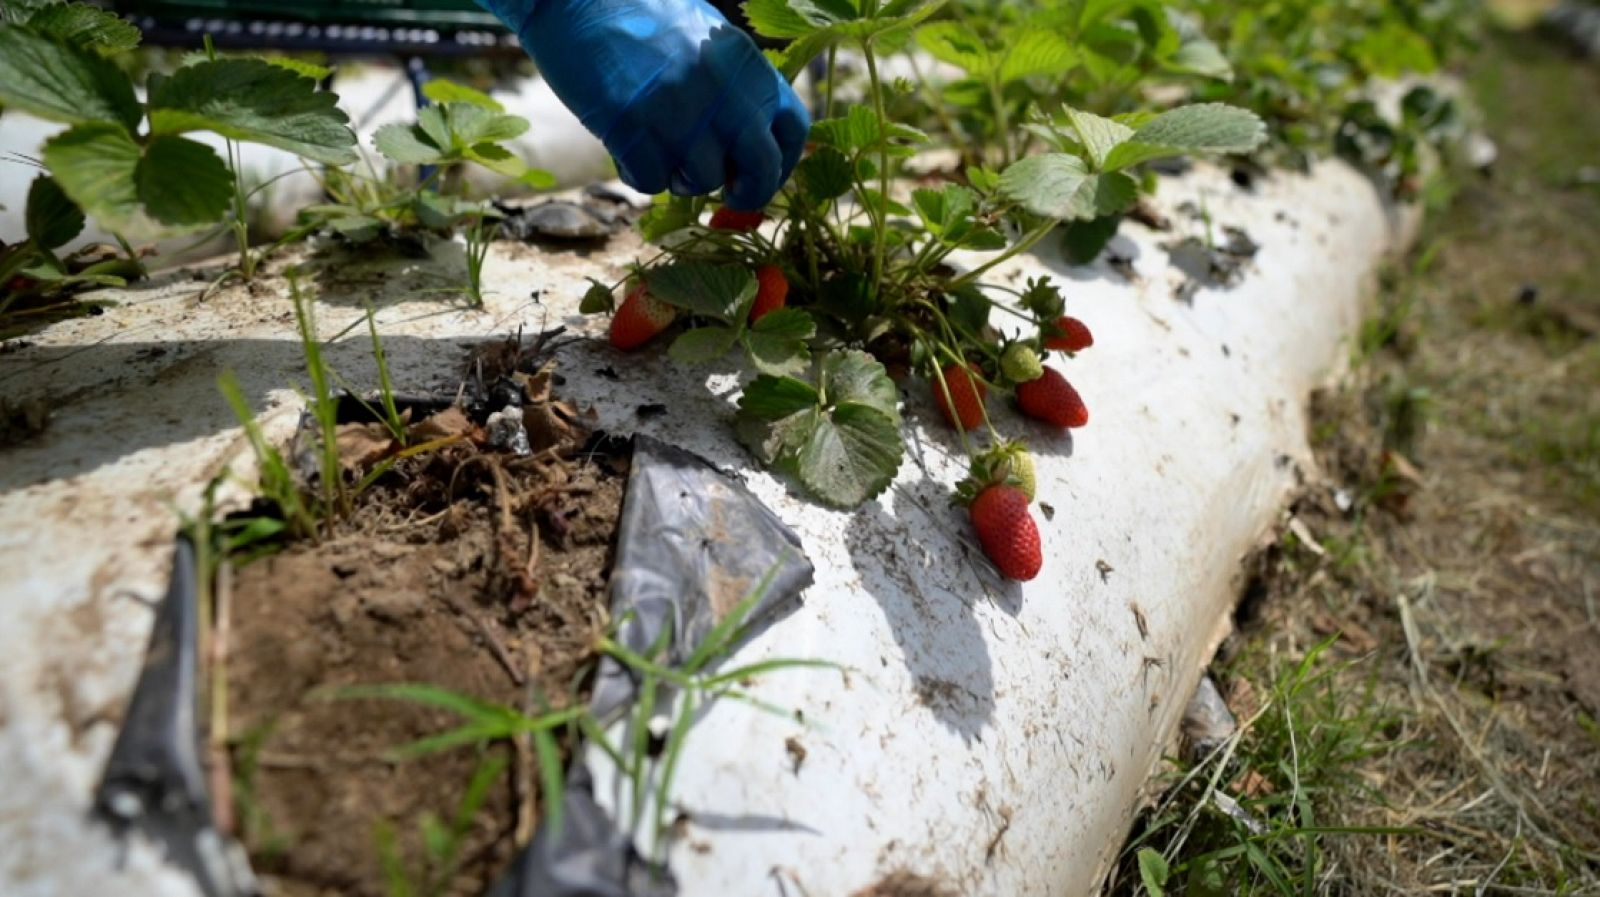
(1249,818)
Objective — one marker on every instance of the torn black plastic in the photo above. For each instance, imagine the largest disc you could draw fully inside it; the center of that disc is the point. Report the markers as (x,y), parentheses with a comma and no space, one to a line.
(693,543)
(154,783)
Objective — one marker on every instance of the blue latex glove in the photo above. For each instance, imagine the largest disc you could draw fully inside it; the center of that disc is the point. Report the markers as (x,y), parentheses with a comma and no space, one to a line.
(682,99)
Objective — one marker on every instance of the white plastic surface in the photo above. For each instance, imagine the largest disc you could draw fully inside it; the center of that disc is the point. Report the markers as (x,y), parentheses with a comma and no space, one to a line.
(991,736)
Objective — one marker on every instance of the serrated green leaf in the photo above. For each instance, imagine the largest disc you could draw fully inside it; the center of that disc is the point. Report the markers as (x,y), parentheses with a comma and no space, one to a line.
(703,344)
(1098,136)
(824,175)
(1060,186)
(443,90)
(776,344)
(714,291)
(852,455)
(947,213)
(855,377)
(667,215)
(61,83)
(95,164)
(1203,128)
(85,27)
(497,159)
(774,398)
(777,19)
(52,218)
(1036,52)
(434,124)
(183,184)
(957,45)
(256,102)
(856,130)
(471,125)
(406,144)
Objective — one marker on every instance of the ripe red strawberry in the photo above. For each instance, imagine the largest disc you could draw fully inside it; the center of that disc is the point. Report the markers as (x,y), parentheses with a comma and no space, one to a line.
(1053,400)
(640,318)
(725,218)
(963,408)
(1074,335)
(772,291)
(1007,532)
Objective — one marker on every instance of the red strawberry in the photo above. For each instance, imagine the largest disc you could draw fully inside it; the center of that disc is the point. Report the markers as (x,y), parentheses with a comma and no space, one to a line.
(963,408)
(1074,335)
(771,292)
(725,218)
(640,318)
(1053,400)
(1007,532)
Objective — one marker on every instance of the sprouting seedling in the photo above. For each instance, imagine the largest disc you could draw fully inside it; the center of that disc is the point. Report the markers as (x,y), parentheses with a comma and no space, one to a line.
(324,410)
(275,480)
(442,842)
(698,685)
(483,722)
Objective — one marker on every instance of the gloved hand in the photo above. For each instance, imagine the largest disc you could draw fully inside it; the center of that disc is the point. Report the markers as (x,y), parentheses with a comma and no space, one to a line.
(682,99)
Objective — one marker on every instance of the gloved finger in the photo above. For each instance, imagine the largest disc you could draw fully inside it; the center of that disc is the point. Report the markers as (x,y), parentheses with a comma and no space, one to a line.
(753,169)
(790,127)
(702,168)
(640,163)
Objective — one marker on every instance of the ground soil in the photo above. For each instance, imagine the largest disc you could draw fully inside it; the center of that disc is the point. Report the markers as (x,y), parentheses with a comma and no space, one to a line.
(428,581)
(1450,540)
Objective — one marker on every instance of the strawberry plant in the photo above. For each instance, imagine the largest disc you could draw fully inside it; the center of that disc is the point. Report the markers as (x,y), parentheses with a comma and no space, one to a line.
(848,281)
(127,162)
(462,127)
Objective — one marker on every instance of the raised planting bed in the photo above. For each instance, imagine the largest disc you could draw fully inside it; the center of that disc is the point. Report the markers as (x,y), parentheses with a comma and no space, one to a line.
(985,736)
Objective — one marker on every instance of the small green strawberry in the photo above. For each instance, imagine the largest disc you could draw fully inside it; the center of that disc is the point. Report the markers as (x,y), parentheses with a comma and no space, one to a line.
(1020,363)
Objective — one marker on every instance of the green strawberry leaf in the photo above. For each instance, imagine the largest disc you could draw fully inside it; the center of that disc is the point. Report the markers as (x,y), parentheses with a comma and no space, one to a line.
(183,184)
(667,215)
(443,90)
(95,164)
(62,83)
(851,456)
(824,175)
(85,27)
(774,398)
(723,292)
(947,213)
(471,124)
(1203,128)
(52,218)
(1060,186)
(1098,136)
(1032,52)
(854,377)
(703,345)
(776,344)
(407,144)
(843,442)
(256,102)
